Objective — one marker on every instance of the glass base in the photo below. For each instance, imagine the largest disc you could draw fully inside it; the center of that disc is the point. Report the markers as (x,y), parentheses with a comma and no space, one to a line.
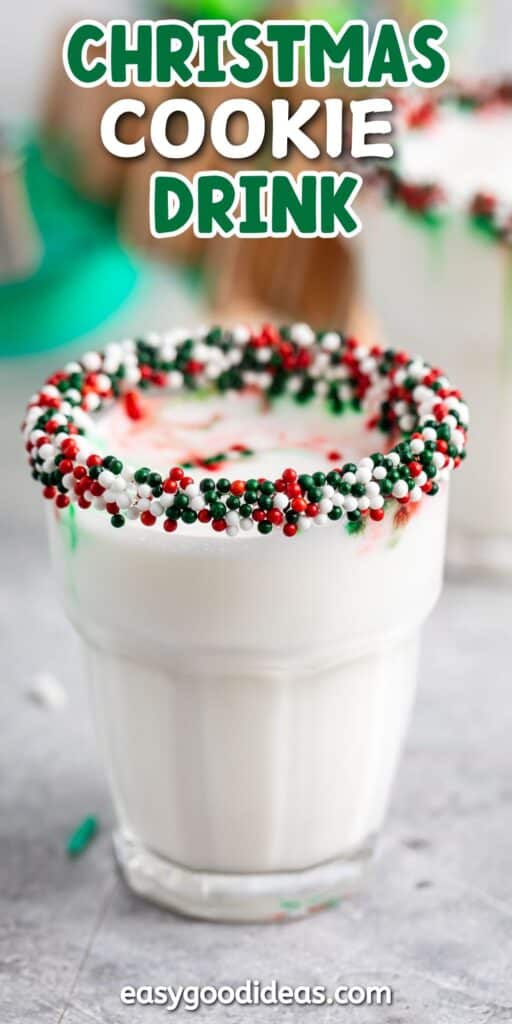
(279,896)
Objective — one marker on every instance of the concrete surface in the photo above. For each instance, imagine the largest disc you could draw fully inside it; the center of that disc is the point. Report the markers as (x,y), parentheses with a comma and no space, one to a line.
(435,921)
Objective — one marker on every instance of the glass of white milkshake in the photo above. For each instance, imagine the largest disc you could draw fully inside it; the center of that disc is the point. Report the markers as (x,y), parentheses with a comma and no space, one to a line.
(437,267)
(248,532)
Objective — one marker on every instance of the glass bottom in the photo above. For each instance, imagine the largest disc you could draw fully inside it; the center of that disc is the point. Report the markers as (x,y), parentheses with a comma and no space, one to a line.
(279,896)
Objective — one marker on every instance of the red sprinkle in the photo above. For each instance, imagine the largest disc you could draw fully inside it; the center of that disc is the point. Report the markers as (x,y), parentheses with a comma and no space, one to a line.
(133,406)
(69,448)
(275,516)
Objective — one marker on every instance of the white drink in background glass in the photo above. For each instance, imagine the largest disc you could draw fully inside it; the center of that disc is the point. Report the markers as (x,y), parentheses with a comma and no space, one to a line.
(448,288)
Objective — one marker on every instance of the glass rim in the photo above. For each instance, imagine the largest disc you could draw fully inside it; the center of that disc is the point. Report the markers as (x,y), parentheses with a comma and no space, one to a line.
(404,396)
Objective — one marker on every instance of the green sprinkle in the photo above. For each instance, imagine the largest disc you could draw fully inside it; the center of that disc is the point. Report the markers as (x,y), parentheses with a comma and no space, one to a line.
(291,905)
(265,528)
(82,836)
(267,487)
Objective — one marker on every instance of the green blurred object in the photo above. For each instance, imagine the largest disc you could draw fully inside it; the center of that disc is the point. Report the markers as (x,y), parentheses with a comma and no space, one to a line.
(334,11)
(232,10)
(83,277)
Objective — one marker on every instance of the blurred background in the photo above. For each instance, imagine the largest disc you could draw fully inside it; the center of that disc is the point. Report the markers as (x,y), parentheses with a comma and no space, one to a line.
(77,254)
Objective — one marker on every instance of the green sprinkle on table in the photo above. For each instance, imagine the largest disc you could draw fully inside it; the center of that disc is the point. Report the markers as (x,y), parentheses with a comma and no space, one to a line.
(82,836)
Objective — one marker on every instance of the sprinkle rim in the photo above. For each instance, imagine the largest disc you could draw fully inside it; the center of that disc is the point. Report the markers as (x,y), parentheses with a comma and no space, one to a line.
(401,395)
(428,200)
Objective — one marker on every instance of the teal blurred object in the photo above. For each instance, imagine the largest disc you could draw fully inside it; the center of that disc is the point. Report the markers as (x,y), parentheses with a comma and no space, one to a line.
(84,275)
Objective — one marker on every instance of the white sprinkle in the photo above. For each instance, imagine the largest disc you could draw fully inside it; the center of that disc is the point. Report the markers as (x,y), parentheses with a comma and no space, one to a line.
(331,342)
(400,490)
(241,335)
(106,478)
(325,506)
(46,690)
(280,501)
(350,503)
(417,446)
(302,335)
(91,361)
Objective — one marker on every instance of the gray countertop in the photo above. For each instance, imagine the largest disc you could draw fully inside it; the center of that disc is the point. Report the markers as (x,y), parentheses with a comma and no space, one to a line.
(434,921)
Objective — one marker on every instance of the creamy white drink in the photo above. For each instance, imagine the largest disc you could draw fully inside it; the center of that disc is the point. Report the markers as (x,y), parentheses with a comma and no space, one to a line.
(252,683)
(436,267)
